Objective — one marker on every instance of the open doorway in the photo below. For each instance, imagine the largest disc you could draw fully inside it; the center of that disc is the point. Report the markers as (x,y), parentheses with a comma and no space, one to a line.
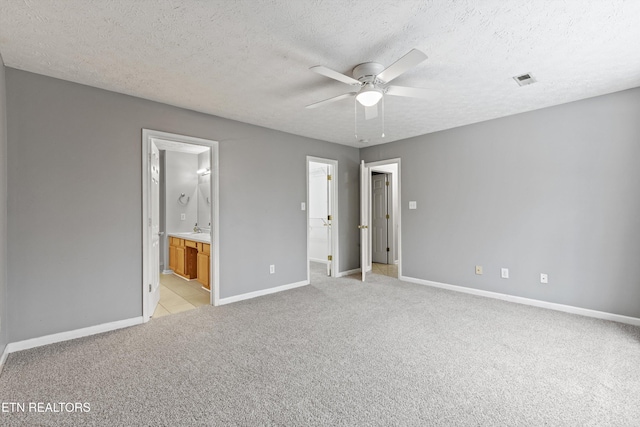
(383,231)
(380,218)
(180,223)
(322,220)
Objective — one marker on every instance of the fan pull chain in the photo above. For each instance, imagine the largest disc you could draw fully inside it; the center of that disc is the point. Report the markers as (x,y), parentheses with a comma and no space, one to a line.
(355,117)
(382,116)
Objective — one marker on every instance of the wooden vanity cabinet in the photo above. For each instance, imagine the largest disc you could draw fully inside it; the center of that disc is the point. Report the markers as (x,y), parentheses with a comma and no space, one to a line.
(190,259)
(204,250)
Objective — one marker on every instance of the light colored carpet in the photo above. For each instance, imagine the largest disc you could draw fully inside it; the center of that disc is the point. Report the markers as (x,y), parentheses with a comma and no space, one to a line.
(341,353)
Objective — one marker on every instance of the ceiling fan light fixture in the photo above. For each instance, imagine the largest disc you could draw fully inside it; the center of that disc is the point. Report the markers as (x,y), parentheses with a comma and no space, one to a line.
(369,95)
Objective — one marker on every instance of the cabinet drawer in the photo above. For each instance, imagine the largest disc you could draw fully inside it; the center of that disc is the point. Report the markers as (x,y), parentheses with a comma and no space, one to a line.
(206,248)
(190,244)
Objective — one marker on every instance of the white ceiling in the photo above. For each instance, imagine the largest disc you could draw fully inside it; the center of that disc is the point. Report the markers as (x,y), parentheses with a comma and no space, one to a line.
(249,60)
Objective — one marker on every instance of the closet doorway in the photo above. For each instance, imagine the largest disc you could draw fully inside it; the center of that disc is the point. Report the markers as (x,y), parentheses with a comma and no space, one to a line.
(322,218)
(380,228)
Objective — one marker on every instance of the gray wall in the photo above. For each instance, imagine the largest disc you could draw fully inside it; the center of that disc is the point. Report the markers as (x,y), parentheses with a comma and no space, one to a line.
(181,177)
(74,216)
(553,191)
(3,210)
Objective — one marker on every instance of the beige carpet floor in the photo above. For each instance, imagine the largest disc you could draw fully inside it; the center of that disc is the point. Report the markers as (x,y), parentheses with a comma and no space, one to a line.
(340,353)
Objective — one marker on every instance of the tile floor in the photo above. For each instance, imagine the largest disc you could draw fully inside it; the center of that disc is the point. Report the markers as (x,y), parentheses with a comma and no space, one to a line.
(390,270)
(177,295)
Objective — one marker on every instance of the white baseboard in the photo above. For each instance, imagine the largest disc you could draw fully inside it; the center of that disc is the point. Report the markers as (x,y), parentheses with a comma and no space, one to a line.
(3,358)
(529,301)
(263,292)
(348,272)
(167,271)
(69,335)
(322,261)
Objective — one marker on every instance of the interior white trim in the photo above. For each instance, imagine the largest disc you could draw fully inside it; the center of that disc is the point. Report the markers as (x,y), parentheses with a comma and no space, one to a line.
(322,261)
(349,272)
(70,335)
(263,292)
(3,358)
(147,136)
(528,301)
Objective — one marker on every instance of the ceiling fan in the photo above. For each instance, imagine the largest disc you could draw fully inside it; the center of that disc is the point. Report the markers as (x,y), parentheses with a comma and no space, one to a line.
(371,81)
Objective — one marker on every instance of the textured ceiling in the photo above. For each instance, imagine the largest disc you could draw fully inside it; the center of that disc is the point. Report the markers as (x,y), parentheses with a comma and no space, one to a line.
(249,60)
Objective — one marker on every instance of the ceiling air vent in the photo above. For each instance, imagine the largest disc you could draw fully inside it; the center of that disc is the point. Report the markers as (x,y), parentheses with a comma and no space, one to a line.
(524,79)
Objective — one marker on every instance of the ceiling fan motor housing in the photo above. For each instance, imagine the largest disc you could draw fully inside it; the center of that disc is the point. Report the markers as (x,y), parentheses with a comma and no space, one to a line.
(367,72)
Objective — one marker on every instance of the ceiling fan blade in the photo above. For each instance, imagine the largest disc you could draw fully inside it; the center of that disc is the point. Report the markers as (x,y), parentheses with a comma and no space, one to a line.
(328,72)
(371,112)
(412,92)
(330,100)
(410,60)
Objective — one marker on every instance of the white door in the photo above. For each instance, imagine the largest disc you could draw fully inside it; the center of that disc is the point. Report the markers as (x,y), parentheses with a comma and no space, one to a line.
(379,219)
(329,220)
(154,230)
(364,219)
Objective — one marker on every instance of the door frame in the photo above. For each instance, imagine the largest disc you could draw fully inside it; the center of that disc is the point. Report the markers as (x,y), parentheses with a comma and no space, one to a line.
(335,255)
(378,166)
(214,262)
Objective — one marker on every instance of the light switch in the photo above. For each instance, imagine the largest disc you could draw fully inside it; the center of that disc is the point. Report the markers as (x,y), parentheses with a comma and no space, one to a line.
(183,217)
(303,206)
(413,204)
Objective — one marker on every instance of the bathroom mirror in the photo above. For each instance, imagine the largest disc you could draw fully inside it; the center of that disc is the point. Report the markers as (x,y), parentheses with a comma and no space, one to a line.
(204,191)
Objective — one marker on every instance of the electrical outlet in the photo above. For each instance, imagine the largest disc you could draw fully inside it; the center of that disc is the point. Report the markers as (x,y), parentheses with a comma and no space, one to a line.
(478,269)
(544,278)
(272,269)
(504,273)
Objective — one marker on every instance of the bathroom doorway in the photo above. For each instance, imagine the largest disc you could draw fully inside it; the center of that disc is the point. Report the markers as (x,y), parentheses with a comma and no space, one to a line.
(180,223)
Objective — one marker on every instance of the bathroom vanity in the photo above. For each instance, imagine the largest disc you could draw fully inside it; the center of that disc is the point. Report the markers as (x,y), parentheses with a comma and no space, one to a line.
(189,256)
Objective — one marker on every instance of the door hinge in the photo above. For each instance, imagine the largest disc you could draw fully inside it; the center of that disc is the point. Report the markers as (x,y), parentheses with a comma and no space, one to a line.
(149,287)
(328,177)
(329,217)
(330,258)
(387,216)
(387,183)
(149,222)
(387,249)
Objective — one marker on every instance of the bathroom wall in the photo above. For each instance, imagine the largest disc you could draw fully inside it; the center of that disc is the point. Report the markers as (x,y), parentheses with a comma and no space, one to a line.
(181,178)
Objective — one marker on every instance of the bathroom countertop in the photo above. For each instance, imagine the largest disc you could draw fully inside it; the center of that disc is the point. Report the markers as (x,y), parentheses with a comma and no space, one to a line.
(204,237)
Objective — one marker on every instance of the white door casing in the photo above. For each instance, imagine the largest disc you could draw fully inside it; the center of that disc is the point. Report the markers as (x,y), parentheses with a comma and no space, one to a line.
(364,219)
(148,136)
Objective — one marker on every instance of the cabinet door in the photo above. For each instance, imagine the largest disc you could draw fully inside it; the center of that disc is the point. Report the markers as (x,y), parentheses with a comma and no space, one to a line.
(203,269)
(179,261)
(172,258)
